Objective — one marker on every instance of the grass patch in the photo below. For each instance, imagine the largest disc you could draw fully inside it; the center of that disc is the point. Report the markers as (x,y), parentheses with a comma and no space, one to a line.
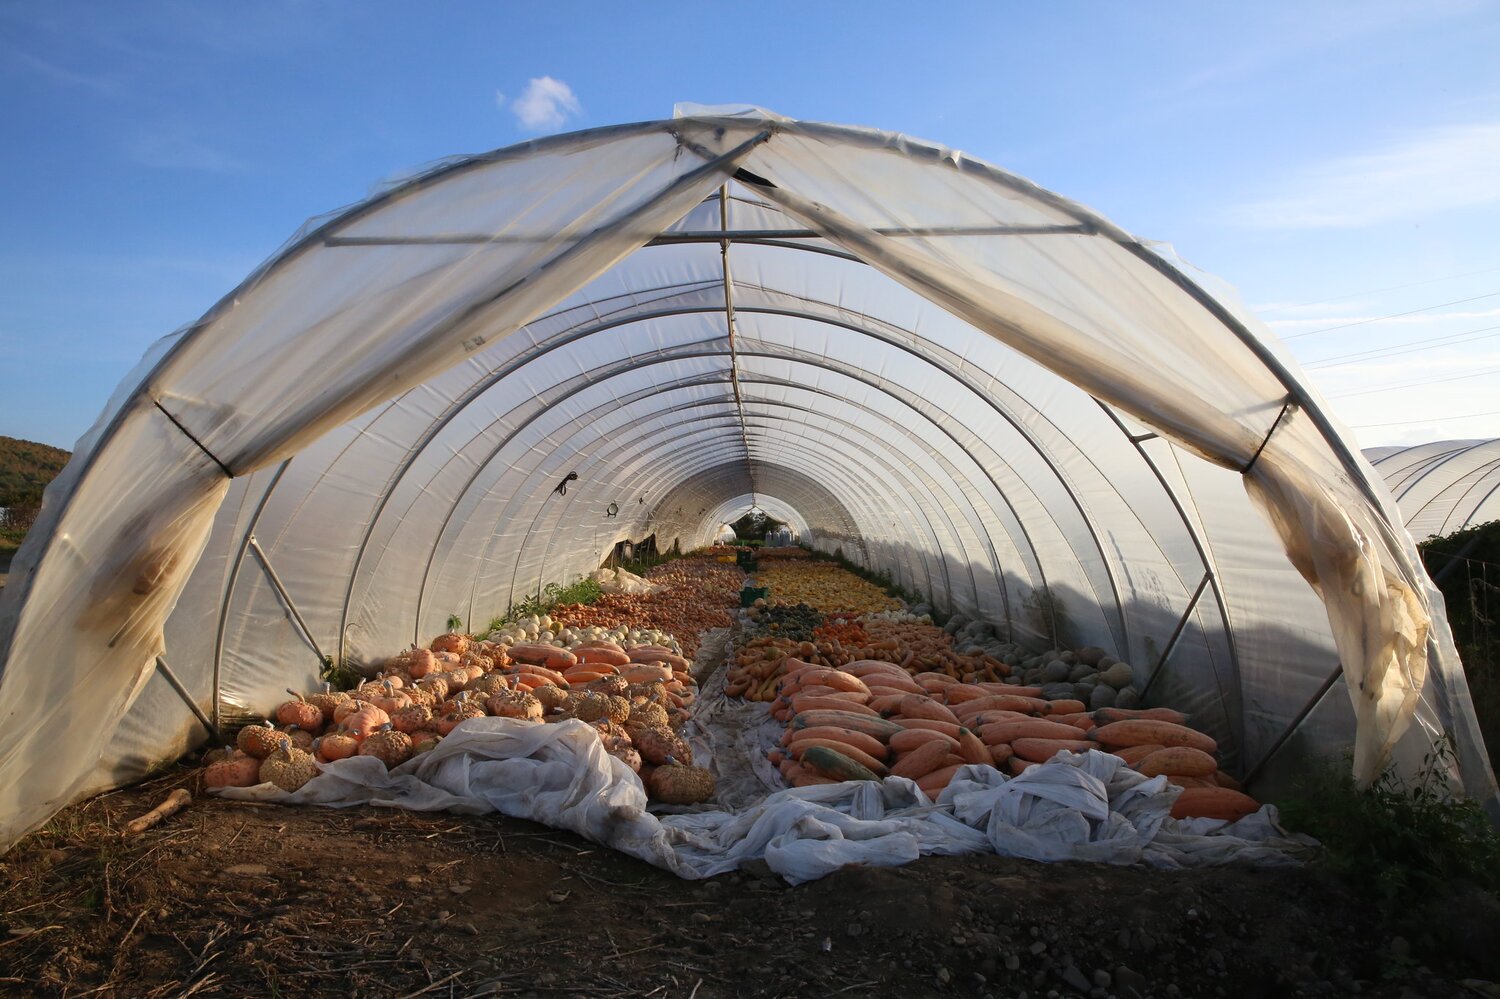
(1398,843)
(584,591)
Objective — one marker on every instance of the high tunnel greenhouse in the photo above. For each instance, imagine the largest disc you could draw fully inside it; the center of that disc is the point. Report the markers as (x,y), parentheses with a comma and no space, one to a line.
(1443,486)
(482,378)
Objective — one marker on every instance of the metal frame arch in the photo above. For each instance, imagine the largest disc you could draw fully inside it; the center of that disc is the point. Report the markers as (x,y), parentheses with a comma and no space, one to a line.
(805,448)
(638,396)
(654,360)
(593,460)
(934,454)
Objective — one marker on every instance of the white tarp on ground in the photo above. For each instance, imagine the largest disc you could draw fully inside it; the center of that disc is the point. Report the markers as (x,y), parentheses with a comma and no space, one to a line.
(1088,807)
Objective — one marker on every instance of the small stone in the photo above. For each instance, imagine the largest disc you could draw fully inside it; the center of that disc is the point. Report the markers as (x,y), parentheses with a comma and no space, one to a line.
(1012,962)
(1127,979)
(247,870)
(444,915)
(460,889)
(557,896)
(1074,978)
(1103,979)
(854,929)
(415,880)
(1038,947)
(701,917)
(944,975)
(1173,990)
(1400,947)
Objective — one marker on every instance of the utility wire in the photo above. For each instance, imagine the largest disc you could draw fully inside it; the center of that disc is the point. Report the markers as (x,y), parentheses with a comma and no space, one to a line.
(1411,346)
(1425,381)
(1394,315)
(1395,287)
(1440,419)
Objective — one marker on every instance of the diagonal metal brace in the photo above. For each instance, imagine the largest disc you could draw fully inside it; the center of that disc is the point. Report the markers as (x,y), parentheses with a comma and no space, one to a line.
(286,598)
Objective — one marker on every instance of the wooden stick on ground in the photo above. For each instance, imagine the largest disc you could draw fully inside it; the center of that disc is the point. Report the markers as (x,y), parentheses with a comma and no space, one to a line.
(176,802)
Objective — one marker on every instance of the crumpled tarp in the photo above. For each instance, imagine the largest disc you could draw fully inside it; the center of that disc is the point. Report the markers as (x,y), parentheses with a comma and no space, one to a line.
(623,581)
(1075,807)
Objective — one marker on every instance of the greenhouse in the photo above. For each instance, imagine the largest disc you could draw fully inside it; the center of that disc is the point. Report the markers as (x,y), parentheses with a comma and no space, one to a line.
(1444,486)
(428,407)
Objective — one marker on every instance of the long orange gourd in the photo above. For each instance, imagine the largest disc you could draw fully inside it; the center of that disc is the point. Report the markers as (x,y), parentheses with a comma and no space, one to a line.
(1140,731)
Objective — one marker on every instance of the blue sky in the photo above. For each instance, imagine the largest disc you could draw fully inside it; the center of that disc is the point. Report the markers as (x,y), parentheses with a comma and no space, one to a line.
(1338,162)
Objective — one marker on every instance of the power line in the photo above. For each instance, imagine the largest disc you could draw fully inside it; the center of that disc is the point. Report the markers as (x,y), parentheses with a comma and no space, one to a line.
(1446,340)
(1394,315)
(1394,287)
(1408,423)
(1427,381)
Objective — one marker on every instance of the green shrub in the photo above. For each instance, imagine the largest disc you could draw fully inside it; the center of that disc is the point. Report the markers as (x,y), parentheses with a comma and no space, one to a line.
(1398,842)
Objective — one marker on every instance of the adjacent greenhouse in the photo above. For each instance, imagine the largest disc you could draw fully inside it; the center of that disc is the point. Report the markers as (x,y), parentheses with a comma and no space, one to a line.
(1443,486)
(481,380)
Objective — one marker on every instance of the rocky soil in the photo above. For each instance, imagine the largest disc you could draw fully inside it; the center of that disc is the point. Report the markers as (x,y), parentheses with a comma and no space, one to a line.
(231,899)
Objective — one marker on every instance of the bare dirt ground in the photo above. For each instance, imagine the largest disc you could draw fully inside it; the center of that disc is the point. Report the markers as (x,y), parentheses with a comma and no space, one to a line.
(231,899)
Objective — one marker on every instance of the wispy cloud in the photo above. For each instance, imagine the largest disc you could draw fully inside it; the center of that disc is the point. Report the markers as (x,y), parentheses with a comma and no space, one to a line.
(172,147)
(1437,170)
(545,105)
(59,74)
(499,98)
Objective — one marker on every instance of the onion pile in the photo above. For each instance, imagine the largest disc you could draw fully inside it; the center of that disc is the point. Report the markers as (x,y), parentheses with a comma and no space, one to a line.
(823,585)
(697,593)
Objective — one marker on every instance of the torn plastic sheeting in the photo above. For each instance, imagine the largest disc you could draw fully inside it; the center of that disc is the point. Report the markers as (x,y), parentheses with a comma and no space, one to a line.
(560,775)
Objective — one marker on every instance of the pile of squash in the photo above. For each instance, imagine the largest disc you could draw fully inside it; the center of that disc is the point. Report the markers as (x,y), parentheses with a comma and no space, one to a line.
(635,697)
(914,644)
(697,593)
(868,719)
(823,585)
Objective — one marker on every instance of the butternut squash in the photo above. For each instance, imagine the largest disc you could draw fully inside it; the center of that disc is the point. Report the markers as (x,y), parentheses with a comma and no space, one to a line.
(1106,715)
(921,761)
(1135,754)
(972,748)
(1141,731)
(1042,750)
(862,741)
(831,763)
(1025,728)
(908,739)
(947,728)
(917,706)
(1178,761)
(801,748)
(806,702)
(1213,803)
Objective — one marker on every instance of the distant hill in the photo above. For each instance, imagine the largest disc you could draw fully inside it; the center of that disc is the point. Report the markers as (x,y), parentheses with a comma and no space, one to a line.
(25,469)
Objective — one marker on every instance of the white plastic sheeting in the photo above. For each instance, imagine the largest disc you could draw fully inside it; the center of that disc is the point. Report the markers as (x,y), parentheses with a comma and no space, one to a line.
(1444,486)
(1085,807)
(936,367)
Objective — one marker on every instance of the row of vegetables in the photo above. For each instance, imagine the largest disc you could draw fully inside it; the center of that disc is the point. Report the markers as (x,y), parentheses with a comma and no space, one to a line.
(840,639)
(635,696)
(869,719)
(863,695)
